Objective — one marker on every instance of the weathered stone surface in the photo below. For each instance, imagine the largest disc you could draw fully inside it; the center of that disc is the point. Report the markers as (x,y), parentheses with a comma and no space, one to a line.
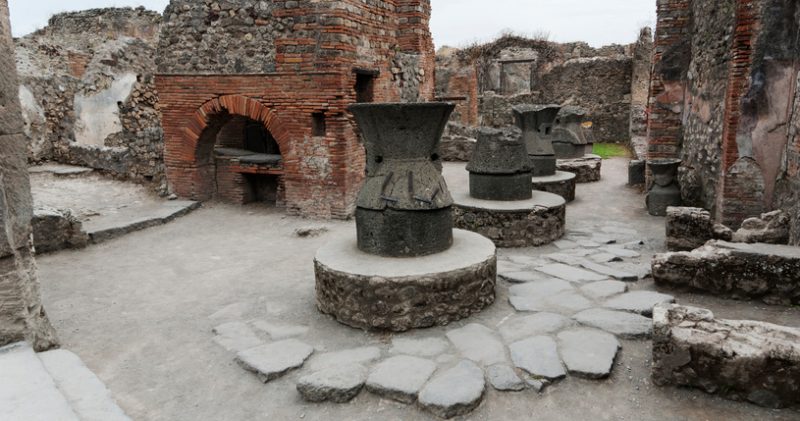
(565,244)
(742,360)
(604,289)
(540,289)
(478,343)
(609,271)
(772,228)
(539,357)
(640,302)
(426,347)
(572,274)
(621,252)
(620,323)
(522,277)
(55,229)
(400,378)
(278,331)
(361,356)
(519,328)
(377,293)
(566,302)
(586,170)
(536,226)
(338,384)
(588,353)
(562,184)
(742,271)
(688,228)
(275,359)
(456,391)
(637,172)
(236,336)
(502,377)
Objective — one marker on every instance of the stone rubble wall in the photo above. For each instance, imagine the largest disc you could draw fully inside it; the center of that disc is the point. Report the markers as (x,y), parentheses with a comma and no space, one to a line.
(22,316)
(89,95)
(738,359)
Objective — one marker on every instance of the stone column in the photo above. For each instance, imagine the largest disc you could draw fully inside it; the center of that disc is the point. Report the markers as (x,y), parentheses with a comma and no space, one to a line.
(22,316)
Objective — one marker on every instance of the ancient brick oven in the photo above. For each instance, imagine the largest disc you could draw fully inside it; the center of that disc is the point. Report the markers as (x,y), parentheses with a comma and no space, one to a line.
(254,94)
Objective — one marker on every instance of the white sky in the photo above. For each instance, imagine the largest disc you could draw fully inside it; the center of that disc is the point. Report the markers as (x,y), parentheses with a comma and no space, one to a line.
(455,22)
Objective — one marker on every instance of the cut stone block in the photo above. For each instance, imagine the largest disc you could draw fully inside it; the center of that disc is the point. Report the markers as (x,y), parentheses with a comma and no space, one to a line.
(742,271)
(569,273)
(588,353)
(400,378)
(741,360)
(604,289)
(641,302)
(273,360)
(620,323)
(519,328)
(337,384)
(502,377)
(456,391)
(425,347)
(478,343)
(539,357)
(688,228)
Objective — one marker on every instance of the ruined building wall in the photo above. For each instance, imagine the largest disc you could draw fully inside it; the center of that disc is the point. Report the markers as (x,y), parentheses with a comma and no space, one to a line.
(730,117)
(22,316)
(640,91)
(88,93)
(514,70)
(308,58)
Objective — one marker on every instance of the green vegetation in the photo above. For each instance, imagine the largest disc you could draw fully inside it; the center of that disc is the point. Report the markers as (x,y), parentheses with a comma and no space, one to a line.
(611,150)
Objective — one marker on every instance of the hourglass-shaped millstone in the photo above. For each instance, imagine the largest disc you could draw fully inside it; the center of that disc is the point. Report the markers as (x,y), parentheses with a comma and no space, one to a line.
(572,133)
(404,207)
(665,191)
(500,168)
(536,123)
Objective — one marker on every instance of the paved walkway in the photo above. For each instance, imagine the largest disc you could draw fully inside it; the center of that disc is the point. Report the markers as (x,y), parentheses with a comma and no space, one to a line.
(160,316)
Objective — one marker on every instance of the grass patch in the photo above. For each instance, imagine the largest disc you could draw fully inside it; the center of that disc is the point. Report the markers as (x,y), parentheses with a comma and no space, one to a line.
(611,150)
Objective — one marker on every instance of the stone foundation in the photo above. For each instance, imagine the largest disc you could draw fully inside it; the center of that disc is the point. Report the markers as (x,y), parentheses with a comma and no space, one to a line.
(688,228)
(55,229)
(741,360)
(586,169)
(377,293)
(562,184)
(767,272)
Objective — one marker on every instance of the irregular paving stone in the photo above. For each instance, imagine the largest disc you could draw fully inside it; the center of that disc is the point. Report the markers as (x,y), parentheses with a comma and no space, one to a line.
(400,378)
(634,245)
(503,378)
(361,355)
(424,347)
(609,271)
(744,271)
(589,244)
(604,239)
(527,261)
(273,360)
(621,252)
(478,343)
(504,266)
(620,323)
(519,328)
(522,277)
(337,384)
(569,273)
(604,289)
(233,311)
(236,336)
(588,353)
(278,331)
(605,258)
(619,230)
(742,360)
(537,384)
(641,302)
(539,357)
(567,302)
(564,258)
(565,244)
(456,391)
(580,252)
(541,288)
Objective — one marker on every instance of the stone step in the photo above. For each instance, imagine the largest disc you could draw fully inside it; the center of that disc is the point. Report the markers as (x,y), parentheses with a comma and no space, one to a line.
(85,393)
(27,390)
(126,221)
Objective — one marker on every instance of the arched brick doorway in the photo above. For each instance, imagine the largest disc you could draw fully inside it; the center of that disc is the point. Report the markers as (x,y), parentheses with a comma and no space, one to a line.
(222,154)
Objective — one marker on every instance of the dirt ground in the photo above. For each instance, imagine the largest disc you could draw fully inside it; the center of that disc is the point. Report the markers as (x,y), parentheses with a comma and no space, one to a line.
(136,310)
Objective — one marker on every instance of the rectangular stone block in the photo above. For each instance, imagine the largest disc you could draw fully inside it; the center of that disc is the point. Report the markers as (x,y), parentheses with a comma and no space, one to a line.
(688,228)
(741,360)
(636,172)
(767,272)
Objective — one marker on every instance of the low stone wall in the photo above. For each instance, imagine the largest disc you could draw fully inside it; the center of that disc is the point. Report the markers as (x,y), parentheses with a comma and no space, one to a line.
(741,360)
(767,272)
(534,227)
(587,170)
(55,229)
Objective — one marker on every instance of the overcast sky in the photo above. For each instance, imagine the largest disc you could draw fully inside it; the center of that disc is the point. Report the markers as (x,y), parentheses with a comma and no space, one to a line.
(455,22)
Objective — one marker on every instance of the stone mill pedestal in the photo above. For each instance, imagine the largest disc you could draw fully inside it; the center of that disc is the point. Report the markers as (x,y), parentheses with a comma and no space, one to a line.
(404,267)
(665,191)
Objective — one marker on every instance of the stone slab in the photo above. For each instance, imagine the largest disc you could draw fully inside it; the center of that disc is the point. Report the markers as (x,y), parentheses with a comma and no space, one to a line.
(278,331)
(502,377)
(567,302)
(588,353)
(110,226)
(275,359)
(569,273)
(456,391)
(538,356)
(400,378)
(609,271)
(641,302)
(620,323)
(518,328)
(338,384)
(360,356)
(604,289)
(236,336)
(422,347)
(478,343)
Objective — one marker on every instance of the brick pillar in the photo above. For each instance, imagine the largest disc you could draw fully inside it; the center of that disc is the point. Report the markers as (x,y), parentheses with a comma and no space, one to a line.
(22,316)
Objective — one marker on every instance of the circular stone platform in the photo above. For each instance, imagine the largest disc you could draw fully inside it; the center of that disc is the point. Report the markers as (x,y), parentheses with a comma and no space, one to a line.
(586,169)
(522,223)
(562,183)
(398,294)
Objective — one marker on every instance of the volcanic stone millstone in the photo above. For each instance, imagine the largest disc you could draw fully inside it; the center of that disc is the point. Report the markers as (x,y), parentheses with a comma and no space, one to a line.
(394,233)
(501,187)
(401,304)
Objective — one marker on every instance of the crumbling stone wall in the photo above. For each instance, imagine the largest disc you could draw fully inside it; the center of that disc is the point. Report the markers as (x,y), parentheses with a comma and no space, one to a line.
(88,92)
(514,70)
(22,316)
